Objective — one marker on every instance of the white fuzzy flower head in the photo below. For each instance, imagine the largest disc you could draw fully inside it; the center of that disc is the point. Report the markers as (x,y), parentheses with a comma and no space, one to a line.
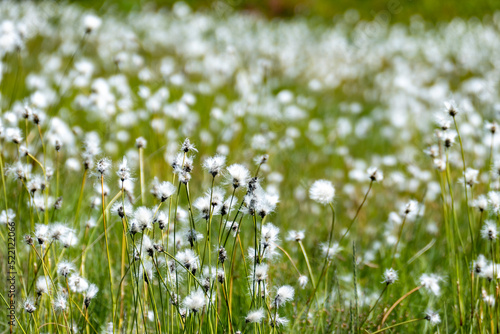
(227,206)
(123,171)
(260,272)
(431,283)
(162,220)
(60,303)
(140,142)
(265,203)
(238,175)
(261,159)
(303,279)
(42,285)
(217,196)
(14,135)
(481,203)
(432,317)
(77,283)
(322,191)
(495,169)
(269,235)
(144,218)
(18,171)
(449,138)
(214,164)
(489,230)
(330,252)
(443,122)
(195,301)
(189,259)
(255,317)
(284,294)
(491,127)
(103,166)
(29,305)
(375,174)
(277,321)
(90,294)
(494,201)
(390,276)
(91,22)
(165,190)
(295,235)
(488,299)
(42,233)
(187,146)
(64,268)
(480,264)
(7,217)
(471,175)
(450,107)
(410,207)
(202,204)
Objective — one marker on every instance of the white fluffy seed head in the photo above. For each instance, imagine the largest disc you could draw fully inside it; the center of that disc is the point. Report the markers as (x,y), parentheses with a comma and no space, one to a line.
(77,283)
(431,283)
(261,272)
(489,230)
(64,268)
(195,301)
(60,303)
(481,203)
(91,22)
(123,171)
(214,164)
(277,321)
(449,138)
(255,316)
(29,305)
(90,294)
(330,252)
(480,264)
(284,294)
(451,108)
(432,317)
(42,285)
(188,146)
(295,235)
(238,175)
(269,235)
(390,276)
(140,142)
(375,174)
(103,165)
(470,176)
(144,218)
(165,190)
(322,191)
(303,279)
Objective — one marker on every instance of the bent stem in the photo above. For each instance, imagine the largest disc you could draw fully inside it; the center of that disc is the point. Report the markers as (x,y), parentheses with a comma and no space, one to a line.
(397,325)
(386,315)
(308,264)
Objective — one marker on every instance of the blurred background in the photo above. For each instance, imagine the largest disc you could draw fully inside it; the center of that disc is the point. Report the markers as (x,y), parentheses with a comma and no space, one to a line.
(387,10)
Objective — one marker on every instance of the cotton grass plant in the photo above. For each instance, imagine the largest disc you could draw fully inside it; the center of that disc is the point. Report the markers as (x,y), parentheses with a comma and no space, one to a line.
(180,172)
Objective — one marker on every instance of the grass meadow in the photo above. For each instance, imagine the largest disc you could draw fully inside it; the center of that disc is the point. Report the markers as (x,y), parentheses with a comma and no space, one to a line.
(175,170)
